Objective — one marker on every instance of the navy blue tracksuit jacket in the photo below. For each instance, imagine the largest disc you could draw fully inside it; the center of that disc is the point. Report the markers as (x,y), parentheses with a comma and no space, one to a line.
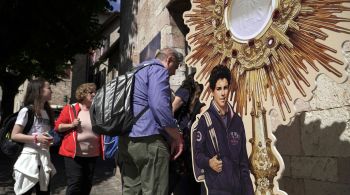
(234,179)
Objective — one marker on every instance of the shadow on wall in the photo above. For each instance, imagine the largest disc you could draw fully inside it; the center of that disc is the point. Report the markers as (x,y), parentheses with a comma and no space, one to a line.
(128,30)
(316,160)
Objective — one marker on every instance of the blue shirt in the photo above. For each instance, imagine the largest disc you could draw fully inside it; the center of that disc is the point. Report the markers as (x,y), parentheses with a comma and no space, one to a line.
(152,88)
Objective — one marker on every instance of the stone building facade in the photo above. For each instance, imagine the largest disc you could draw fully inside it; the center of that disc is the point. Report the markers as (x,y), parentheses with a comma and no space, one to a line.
(61,93)
(99,65)
(148,25)
(131,36)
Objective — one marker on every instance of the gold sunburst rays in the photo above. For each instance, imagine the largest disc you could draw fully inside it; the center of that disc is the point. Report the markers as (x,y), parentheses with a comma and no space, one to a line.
(278,59)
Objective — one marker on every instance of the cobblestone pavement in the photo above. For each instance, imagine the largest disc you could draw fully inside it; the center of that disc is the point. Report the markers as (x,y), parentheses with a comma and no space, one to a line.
(105,180)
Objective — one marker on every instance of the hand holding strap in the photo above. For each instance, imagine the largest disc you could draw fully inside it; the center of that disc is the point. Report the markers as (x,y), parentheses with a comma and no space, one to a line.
(212,133)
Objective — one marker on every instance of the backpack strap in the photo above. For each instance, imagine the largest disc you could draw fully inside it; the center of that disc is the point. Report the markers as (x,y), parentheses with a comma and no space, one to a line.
(145,65)
(30,120)
(212,133)
(138,116)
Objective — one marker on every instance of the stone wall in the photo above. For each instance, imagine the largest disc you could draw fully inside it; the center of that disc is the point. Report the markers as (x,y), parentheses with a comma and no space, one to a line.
(79,75)
(59,90)
(316,145)
(141,21)
(153,17)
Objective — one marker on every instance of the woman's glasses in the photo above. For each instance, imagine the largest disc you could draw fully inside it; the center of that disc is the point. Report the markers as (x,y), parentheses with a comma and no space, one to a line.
(91,92)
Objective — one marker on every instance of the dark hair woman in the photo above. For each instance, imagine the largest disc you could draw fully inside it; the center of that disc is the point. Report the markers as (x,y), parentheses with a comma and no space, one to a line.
(186,106)
(33,168)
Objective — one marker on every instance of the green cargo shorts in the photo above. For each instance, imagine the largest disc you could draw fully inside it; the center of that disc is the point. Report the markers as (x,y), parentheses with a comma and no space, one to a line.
(144,165)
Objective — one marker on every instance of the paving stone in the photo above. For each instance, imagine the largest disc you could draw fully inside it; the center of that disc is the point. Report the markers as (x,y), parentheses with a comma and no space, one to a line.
(106,178)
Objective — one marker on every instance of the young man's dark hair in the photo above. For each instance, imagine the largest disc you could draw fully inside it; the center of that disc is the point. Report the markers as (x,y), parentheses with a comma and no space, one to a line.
(219,72)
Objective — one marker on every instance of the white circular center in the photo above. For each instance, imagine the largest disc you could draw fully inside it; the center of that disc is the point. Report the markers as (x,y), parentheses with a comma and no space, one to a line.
(246,19)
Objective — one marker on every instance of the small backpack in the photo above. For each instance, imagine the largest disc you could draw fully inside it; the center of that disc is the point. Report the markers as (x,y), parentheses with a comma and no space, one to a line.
(10,148)
(111,111)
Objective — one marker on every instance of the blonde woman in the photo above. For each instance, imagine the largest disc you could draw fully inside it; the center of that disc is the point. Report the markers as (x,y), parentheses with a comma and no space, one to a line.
(80,146)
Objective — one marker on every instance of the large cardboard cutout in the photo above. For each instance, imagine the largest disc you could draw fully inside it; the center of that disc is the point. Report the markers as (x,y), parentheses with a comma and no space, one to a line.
(275,51)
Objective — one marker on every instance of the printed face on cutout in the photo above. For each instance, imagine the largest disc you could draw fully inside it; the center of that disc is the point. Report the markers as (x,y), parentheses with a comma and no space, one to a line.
(220,93)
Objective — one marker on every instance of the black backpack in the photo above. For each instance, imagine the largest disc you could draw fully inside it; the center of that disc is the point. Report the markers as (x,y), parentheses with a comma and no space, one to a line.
(111,111)
(9,147)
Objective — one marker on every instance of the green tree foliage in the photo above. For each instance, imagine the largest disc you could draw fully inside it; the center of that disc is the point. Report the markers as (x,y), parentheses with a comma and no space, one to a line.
(39,38)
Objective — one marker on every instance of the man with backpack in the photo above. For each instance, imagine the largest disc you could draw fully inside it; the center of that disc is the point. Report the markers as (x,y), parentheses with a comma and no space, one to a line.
(144,155)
